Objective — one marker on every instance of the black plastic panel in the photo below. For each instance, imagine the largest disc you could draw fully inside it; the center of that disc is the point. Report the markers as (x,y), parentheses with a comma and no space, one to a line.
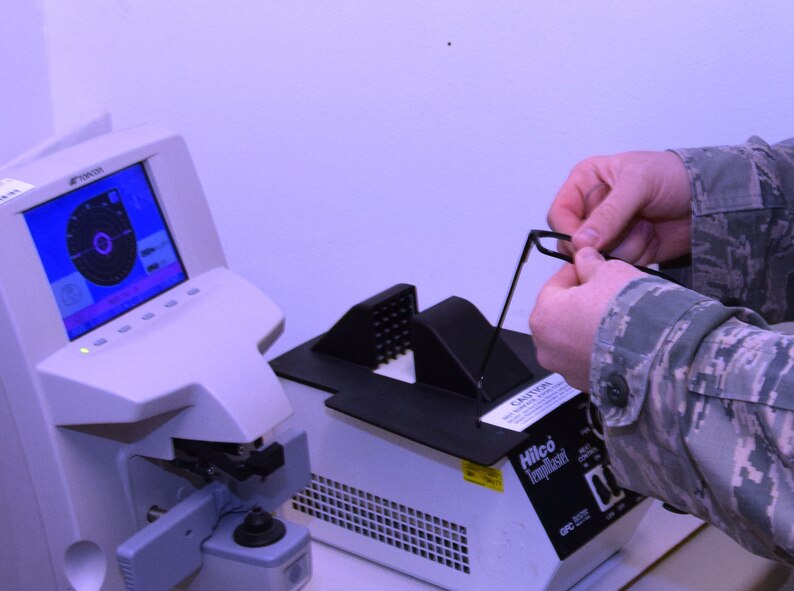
(433,416)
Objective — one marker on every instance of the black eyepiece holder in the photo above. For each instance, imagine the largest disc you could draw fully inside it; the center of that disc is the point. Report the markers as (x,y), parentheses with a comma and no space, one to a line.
(448,342)
(373,331)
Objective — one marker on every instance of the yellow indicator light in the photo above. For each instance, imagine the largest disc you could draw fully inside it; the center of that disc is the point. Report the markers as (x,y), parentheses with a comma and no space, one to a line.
(83,349)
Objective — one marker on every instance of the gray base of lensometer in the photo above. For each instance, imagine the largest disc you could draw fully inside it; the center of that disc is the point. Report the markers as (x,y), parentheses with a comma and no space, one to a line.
(192,547)
(283,566)
(214,558)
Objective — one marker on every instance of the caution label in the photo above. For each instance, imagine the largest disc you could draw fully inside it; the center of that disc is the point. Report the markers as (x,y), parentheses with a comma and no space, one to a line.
(531,404)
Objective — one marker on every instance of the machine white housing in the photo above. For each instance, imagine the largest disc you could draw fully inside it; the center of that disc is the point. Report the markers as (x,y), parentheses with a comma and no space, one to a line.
(405,475)
(87,426)
(408,507)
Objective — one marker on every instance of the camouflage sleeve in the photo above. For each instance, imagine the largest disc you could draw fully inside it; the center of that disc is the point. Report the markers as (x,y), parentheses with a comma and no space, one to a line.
(743,225)
(698,406)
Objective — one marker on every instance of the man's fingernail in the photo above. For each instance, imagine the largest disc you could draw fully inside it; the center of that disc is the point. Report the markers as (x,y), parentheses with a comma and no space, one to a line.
(586,237)
(588,253)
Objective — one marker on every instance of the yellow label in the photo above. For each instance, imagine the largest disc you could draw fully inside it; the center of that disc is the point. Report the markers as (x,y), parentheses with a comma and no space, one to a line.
(482,475)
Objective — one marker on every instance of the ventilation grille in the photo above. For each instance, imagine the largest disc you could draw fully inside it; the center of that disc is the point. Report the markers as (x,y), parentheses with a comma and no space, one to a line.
(405,528)
(391,322)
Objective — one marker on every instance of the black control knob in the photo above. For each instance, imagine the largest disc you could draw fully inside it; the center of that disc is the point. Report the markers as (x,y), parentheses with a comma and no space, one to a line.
(259,529)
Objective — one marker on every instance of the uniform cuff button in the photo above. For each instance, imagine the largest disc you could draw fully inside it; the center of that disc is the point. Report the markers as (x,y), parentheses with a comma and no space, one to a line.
(617,391)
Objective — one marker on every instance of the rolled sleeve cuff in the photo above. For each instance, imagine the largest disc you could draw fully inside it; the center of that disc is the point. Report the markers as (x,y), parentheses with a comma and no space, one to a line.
(729,178)
(739,217)
(633,333)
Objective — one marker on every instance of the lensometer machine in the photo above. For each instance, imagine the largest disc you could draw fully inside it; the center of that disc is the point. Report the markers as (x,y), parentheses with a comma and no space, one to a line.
(409,473)
(142,443)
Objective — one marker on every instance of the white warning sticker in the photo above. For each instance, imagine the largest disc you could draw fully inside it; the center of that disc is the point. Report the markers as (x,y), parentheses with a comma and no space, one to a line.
(531,404)
(10,189)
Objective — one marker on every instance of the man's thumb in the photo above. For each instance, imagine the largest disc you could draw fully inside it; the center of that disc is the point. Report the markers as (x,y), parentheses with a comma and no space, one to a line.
(587,261)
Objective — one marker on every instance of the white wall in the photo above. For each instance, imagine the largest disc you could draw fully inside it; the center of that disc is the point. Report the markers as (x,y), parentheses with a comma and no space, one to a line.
(25,109)
(347,146)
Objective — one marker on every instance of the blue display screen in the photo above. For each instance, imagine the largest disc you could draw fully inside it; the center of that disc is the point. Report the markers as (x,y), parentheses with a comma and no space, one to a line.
(105,248)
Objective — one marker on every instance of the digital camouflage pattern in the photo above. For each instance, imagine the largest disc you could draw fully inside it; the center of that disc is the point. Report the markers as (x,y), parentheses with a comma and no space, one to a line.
(742,225)
(698,396)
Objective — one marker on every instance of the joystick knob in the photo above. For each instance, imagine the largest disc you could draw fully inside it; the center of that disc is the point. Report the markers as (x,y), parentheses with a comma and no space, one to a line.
(259,529)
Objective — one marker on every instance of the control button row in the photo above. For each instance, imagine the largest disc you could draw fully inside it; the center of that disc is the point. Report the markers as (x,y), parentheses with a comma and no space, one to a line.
(148,316)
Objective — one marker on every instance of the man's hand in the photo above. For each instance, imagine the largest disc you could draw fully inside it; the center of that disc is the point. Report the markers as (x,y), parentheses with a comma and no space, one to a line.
(569,309)
(635,206)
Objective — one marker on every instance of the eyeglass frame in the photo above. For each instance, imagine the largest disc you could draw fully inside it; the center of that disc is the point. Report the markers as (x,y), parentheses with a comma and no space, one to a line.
(534,238)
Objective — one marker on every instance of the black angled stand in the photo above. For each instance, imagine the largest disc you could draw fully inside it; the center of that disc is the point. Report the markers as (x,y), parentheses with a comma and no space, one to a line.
(449,342)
